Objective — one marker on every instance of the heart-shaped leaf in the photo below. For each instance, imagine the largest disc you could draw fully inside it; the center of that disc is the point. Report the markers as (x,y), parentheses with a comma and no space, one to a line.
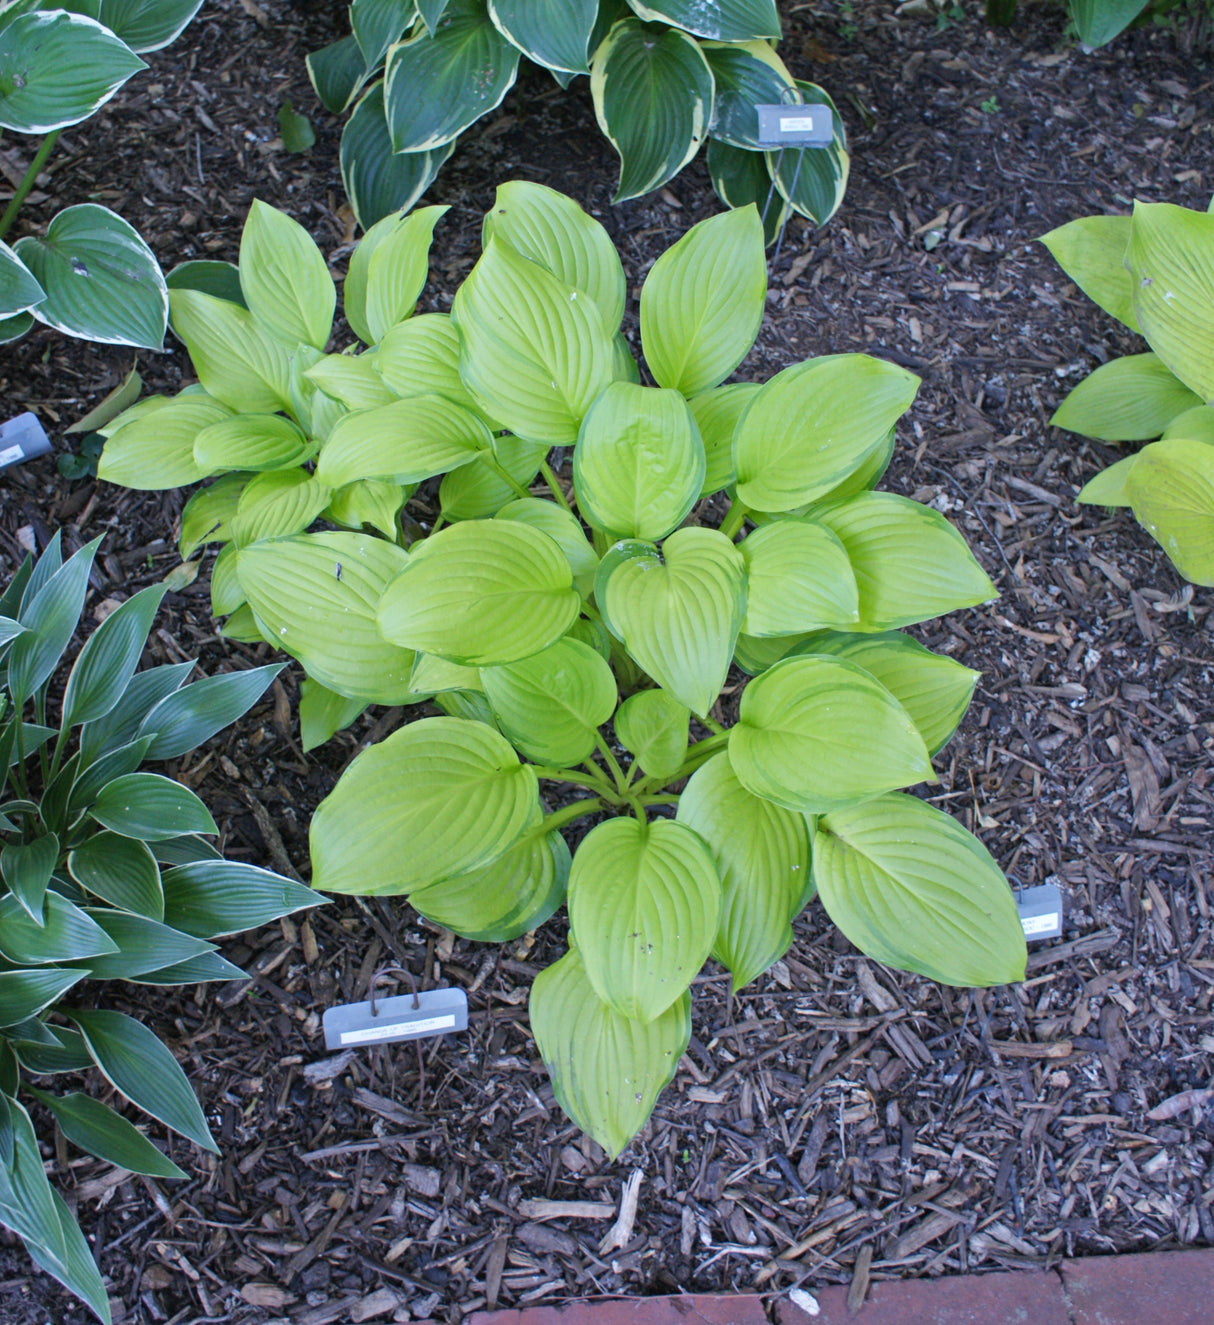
(798,578)
(554,33)
(653,726)
(236,359)
(420,357)
(1099,21)
(563,527)
(149,807)
(121,871)
(322,712)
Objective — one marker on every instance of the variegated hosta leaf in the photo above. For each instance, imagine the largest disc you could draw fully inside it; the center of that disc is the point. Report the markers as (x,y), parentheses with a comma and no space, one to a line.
(644,904)
(798,578)
(747,74)
(554,33)
(817,734)
(1130,399)
(909,886)
(740,178)
(814,180)
(653,726)
(1091,251)
(719,20)
(1171,489)
(438,798)
(607,1071)
(761,852)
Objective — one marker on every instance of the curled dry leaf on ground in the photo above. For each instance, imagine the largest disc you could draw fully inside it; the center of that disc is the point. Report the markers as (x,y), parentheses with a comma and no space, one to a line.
(835,1106)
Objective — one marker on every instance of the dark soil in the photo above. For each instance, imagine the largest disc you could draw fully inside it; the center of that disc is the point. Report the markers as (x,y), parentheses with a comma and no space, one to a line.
(837,1119)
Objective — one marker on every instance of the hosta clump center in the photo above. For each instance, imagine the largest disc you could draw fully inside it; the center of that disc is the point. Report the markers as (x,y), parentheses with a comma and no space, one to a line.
(584,638)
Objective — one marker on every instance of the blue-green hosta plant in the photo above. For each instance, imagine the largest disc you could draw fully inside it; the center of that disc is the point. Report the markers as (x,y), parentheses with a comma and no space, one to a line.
(582,641)
(665,76)
(1154,272)
(90,275)
(105,874)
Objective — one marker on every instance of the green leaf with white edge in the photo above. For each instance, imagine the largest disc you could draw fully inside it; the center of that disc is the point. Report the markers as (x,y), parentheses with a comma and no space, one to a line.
(1130,399)
(377,24)
(337,72)
(404,442)
(66,934)
(554,33)
(550,705)
(117,729)
(431,12)
(551,230)
(432,675)
(910,563)
(723,20)
(1091,251)
(1099,21)
(50,619)
(221,279)
(9,629)
(197,970)
(121,871)
(13,328)
(352,380)
(607,1070)
(438,798)
(255,442)
(812,425)
(761,852)
(653,726)
(481,593)
(644,905)
(148,807)
(814,181)
(534,351)
(317,596)
(564,528)
(1108,488)
(815,734)
(105,665)
(139,1066)
(741,178)
(323,713)
(474,492)
(27,868)
(653,92)
(102,282)
(148,25)
(18,288)
(237,360)
(677,612)
(909,886)
(379,181)
(933,689)
(284,278)
(368,501)
(388,271)
(143,945)
(35,576)
(98,1130)
(798,578)
(1171,262)
(1196,425)
(276,505)
(639,464)
(436,86)
(184,720)
(1171,490)
(747,75)
(211,898)
(506,898)
(716,413)
(57,69)
(155,451)
(24,994)
(420,357)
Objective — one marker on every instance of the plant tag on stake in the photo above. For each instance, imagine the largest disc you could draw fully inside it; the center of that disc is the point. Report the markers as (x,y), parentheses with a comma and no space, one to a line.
(795,126)
(22,438)
(402,1017)
(1040,911)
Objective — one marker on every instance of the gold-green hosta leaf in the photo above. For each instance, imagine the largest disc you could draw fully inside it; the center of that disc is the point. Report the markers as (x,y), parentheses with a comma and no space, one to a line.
(1197,425)
(761,852)
(432,675)
(251,442)
(644,904)
(1108,488)
(368,501)
(155,450)
(316,597)
(278,504)
(677,611)
(816,734)
(237,360)
(420,357)
(323,712)
(909,886)
(226,594)
(910,563)
(754,654)
(1091,251)
(717,413)
(475,492)
(562,526)
(284,278)
(798,578)
(388,271)
(653,726)
(1131,399)
(551,704)
(1171,489)
(1171,262)
(814,424)
(638,466)
(534,351)
(552,230)
(352,380)
(607,1070)
(438,798)
(208,514)
(933,689)
(482,593)
(702,302)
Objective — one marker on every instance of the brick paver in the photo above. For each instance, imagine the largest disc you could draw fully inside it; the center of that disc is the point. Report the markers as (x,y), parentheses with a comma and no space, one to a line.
(1162,1288)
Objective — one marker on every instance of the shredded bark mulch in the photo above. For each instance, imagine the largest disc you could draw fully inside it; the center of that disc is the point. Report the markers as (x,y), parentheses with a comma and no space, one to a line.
(837,1121)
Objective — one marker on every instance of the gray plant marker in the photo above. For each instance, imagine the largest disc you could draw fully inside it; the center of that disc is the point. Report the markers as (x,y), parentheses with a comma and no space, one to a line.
(22,438)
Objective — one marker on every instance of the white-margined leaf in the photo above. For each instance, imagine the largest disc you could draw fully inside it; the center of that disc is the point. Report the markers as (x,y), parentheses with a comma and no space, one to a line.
(19,290)
(814,180)
(719,20)
(108,660)
(120,870)
(747,75)
(554,33)
(740,178)
(147,25)
(378,24)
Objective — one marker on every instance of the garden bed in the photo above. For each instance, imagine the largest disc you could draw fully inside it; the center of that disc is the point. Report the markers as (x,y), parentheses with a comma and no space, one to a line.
(836,1119)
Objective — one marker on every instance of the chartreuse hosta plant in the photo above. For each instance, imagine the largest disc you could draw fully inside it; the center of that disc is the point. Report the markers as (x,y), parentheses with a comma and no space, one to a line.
(665,75)
(1154,272)
(105,874)
(582,641)
(90,275)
